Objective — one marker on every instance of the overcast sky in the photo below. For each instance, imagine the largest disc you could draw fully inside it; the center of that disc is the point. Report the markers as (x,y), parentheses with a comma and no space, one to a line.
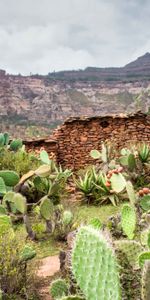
(41,36)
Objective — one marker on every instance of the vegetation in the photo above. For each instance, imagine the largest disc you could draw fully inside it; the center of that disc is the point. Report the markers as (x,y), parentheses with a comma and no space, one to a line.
(107,231)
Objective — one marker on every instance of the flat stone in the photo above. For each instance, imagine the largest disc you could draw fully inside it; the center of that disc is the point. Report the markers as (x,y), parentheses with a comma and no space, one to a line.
(49,266)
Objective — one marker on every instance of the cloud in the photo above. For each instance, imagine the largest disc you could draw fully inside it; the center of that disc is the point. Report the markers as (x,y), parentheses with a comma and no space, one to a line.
(41,36)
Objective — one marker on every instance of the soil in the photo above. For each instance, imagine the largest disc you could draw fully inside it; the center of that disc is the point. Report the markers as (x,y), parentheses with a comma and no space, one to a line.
(49,267)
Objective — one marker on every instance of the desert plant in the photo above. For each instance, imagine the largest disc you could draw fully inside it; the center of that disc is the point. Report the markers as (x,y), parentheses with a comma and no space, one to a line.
(96,275)
(144,153)
(59,288)
(128,220)
(145,293)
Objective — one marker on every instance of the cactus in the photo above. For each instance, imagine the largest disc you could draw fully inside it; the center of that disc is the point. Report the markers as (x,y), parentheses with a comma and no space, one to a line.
(118,182)
(15,145)
(128,220)
(95,154)
(145,202)
(96,223)
(130,192)
(46,208)
(67,217)
(145,293)
(10,178)
(143,257)
(27,253)
(2,140)
(131,249)
(43,171)
(131,162)
(44,157)
(2,186)
(20,203)
(94,265)
(58,288)
(6,138)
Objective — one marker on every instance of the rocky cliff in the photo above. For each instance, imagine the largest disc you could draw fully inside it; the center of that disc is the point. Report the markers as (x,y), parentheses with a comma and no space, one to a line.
(41,102)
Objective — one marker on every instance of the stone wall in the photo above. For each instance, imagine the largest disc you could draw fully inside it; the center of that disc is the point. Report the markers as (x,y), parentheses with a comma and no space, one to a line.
(78,136)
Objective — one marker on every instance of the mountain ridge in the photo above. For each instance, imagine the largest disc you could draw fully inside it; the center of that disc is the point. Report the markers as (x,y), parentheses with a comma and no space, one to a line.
(34,105)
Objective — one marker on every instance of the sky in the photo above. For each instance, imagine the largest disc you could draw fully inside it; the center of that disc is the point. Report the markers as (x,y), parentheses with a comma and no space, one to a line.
(40,36)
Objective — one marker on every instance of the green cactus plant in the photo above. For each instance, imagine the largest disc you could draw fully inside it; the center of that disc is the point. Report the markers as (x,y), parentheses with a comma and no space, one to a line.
(131,192)
(2,140)
(145,202)
(128,220)
(44,157)
(46,208)
(145,292)
(10,178)
(131,249)
(27,253)
(96,223)
(94,265)
(20,203)
(58,288)
(67,217)
(118,182)
(6,138)
(2,186)
(143,257)
(15,145)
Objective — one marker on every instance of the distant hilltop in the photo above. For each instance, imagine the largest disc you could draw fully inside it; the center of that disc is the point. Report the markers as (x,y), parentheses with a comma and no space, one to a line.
(133,71)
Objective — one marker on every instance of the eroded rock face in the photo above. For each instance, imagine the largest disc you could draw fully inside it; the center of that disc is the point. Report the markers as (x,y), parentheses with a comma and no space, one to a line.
(49,100)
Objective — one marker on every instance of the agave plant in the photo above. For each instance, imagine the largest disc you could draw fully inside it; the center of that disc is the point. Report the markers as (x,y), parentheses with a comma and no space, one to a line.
(144,153)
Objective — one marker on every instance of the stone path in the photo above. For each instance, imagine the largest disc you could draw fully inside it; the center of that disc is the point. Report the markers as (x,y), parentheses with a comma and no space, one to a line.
(48,268)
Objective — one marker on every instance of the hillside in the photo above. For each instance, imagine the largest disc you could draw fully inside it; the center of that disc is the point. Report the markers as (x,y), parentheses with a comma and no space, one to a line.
(34,105)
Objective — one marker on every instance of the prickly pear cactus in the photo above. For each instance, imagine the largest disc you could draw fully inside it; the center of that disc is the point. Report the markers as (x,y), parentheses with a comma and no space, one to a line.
(10,178)
(145,293)
(46,208)
(131,192)
(118,182)
(94,265)
(128,220)
(27,253)
(67,217)
(58,288)
(6,138)
(131,249)
(20,203)
(15,145)
(96,223)
(2,140)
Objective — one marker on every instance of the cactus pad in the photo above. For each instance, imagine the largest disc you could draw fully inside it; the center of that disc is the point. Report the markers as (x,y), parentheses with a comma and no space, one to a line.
(27,253)
(15,145)
(130,192)
(10,178)
(94,265)
(67,217)
(46,208)
(118,182)
(128,220)
(20,203)
(131,249)
(43,171)
(145,293)
(58,288)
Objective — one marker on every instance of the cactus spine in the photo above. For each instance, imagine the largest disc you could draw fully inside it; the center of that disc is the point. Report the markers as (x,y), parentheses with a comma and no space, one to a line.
(94,265)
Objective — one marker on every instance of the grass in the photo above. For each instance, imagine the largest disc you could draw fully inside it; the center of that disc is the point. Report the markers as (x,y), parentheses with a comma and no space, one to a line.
(47,246)
(83,214)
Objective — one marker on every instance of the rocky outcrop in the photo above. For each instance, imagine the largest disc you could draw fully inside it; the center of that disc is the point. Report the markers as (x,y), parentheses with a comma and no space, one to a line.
(48,100)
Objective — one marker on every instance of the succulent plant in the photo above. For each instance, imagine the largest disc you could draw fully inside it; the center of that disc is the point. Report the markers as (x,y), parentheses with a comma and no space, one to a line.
(94,265)
(145,292)
(145,202)
(128,220)
(144,256)
(27,253)
(118,182)
(131,192)
(96,223)
(67,217)
(58,288)
(15,145)
(131,249)
(10,178)
(46,208)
